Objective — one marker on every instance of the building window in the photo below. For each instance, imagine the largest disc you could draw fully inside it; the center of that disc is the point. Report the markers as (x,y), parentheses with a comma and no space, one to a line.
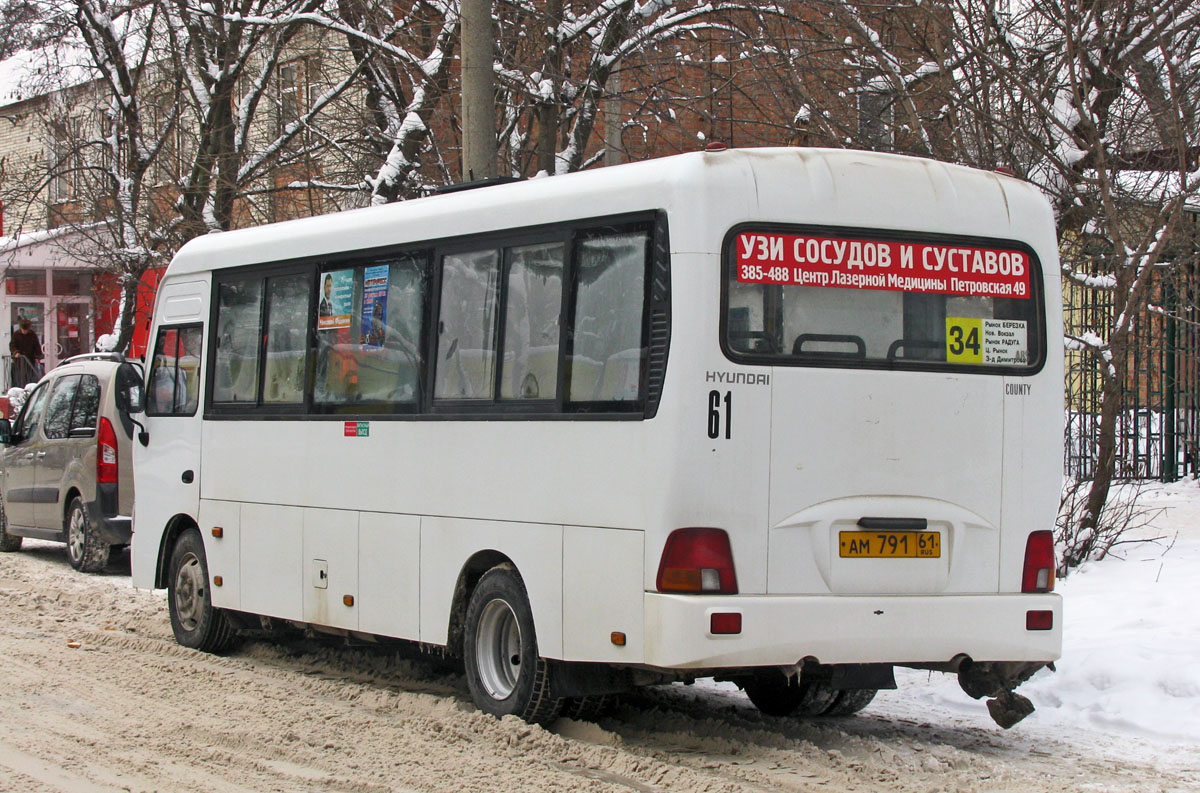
(25,282)
(71,282)
(58,165)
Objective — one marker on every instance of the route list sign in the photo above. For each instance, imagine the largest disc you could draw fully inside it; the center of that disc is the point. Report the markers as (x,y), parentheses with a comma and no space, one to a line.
(847,263)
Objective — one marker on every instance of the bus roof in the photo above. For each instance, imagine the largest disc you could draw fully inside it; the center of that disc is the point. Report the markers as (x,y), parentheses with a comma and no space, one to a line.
(837,187)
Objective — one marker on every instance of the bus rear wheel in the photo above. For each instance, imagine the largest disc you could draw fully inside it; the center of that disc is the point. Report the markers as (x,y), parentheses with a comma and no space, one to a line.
(851,701)
(775,695)
(194,620)
(504,672)
(779,695)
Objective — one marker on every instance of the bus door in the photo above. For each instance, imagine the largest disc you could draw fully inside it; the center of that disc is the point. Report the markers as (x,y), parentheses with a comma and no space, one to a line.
(171,485)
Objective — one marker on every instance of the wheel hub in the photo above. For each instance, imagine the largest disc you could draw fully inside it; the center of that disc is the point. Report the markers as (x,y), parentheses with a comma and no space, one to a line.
(75,535)
(498,649)
(190,592)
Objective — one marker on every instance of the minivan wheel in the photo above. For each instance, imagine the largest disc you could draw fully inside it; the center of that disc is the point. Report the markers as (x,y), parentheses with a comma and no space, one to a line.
(504,673)
(8,542)
(85,551)
(194,620)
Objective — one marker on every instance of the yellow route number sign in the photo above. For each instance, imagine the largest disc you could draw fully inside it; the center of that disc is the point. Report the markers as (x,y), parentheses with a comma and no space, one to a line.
(964,340)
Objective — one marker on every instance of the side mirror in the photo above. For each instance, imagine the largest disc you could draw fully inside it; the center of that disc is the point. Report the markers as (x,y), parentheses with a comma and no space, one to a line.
(130,391)
(5,431)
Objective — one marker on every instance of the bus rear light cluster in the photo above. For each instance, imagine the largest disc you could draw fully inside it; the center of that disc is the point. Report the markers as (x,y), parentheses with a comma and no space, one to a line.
(697,561)
(1038,574)
(106,453)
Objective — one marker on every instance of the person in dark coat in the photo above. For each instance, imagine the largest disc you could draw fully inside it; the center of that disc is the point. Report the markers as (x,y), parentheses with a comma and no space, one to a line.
(26,353)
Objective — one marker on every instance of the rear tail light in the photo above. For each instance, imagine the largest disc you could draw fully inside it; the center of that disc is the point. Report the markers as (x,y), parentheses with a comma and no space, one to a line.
(697,561)
(106,453)
(1038,575)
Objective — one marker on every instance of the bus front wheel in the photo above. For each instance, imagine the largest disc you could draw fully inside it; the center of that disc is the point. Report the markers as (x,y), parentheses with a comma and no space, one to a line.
(194,620)
(504,672)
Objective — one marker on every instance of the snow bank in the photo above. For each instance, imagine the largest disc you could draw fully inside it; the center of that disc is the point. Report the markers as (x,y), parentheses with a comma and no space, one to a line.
(1131,632)
(1131,646)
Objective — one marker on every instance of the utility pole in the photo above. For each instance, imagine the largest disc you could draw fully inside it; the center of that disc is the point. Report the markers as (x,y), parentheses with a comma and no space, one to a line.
(478,91)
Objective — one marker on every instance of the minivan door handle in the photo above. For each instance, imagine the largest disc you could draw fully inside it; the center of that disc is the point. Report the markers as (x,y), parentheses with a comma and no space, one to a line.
(894,524)
(188,476)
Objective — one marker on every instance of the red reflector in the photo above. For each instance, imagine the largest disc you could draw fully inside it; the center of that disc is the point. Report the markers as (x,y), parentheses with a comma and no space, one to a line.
(106,453)
(697,560)
(725,623)
(1038,574)
(1039,620)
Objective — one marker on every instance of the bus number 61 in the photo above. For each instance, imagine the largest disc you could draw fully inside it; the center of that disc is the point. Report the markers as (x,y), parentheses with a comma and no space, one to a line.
(714,413)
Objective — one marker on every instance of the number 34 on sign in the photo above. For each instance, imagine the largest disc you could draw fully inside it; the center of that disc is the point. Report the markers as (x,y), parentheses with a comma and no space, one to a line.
(972,340)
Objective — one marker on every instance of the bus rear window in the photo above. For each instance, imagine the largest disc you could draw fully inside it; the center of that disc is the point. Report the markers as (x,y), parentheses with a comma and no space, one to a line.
(865,299)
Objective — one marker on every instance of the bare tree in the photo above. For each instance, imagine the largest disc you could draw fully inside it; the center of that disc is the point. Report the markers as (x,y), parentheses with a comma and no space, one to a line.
(190,128)
(558,61)
(1092,101)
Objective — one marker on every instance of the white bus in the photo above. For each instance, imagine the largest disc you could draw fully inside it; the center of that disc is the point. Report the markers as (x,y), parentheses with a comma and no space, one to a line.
(785,417)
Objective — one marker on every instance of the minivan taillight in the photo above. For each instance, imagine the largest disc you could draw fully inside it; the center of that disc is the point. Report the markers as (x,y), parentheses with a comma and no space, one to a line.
(1038,575)
(697,560)
(106,453)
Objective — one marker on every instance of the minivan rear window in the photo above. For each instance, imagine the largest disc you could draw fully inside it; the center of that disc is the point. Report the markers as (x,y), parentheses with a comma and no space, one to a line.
(835,297)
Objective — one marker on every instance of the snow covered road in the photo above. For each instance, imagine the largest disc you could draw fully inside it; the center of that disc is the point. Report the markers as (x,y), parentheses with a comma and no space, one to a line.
(95,696)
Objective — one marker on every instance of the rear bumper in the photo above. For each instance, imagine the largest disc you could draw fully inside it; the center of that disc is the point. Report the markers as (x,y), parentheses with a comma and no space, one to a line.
(112,529)
(780,630)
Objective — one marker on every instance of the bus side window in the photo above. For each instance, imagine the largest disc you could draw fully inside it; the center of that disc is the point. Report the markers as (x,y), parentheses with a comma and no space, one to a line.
(287,306)
(533,301)
(369,332)
(607,349)
(239,331)
(467,326)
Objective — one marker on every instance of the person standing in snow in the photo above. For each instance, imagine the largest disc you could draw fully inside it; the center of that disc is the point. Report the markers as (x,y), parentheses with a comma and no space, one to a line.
(26,352)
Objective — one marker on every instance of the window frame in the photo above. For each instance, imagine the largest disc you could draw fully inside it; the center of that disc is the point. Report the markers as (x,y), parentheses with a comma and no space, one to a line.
(356,261)
(1037,289)
(263,273)
(160,331)
(655,280)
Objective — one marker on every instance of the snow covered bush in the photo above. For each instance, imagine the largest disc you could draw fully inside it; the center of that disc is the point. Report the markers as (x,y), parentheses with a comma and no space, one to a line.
(1077,541)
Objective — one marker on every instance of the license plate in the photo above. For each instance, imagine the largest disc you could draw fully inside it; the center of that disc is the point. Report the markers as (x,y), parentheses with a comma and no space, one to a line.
(890,545)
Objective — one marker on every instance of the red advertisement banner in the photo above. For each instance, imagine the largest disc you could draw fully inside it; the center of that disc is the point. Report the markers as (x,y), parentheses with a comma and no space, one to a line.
(845,263)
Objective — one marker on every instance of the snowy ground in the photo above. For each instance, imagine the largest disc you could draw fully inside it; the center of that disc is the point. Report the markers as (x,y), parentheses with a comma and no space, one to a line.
(96,696)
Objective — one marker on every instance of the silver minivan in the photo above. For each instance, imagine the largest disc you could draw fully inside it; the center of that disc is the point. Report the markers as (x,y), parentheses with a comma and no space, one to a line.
(68,464)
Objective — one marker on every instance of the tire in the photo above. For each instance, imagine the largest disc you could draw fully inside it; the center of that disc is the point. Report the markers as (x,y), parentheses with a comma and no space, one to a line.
(194,621)
(816,699)
(775,695)
(8,542)
(588,708)
(85,551)
(850,701)
(504,672)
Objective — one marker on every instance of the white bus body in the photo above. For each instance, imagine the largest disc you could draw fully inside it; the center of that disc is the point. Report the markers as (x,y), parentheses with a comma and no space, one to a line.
(832,364)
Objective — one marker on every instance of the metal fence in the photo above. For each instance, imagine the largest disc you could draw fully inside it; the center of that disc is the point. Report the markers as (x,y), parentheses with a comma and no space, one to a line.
(1158,435)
